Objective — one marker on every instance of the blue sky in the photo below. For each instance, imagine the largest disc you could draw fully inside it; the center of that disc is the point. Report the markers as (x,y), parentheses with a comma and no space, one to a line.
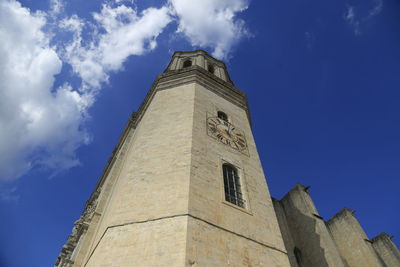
(322,80)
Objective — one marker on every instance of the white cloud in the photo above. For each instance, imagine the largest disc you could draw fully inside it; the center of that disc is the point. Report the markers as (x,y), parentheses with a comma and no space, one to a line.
(350,17)
(353,17)
(39,125)
(43,126)
(349,14)
(119,33)
(56,7)
(8,193)
(377,8)
(211,23)
(121,1)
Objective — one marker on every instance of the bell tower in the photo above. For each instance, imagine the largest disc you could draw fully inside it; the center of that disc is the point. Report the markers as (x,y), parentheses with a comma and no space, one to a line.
(184,185)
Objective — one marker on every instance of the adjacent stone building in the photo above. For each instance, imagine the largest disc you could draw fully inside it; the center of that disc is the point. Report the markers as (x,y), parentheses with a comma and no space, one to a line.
(185,187)
(340,241)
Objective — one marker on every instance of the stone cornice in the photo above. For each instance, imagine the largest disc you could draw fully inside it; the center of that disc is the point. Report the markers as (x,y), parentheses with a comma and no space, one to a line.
(208,80)
(219,227)
(184,54)
(345,212)
(382,236)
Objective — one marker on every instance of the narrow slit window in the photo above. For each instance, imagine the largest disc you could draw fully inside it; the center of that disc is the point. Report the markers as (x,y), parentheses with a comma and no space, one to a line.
(211,69)
(187,63)
(233,190)
(222,116)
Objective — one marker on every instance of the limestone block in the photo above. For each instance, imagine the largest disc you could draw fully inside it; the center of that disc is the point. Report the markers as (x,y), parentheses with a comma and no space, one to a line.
(387,250)
(351,240)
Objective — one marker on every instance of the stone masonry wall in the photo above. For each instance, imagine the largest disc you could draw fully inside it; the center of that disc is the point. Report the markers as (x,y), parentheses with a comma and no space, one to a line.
(253,226)
(351,240)
(151,244)
(308,230)
(154,180)
(285,230)
(386,250)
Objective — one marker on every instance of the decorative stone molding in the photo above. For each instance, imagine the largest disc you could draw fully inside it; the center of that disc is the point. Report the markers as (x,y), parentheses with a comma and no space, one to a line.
(201,59)
(64,259)
(82,224)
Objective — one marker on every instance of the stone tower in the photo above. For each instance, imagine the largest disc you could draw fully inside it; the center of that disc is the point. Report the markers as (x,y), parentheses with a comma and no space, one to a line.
(184,185)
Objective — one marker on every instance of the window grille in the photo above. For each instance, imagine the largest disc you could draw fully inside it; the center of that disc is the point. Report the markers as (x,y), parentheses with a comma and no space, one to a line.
(233,191)
(222,116)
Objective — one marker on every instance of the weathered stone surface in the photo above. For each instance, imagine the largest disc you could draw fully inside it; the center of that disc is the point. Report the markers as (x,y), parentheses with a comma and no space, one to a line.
(160,242)
(255,225)
(353,244)
(305,231)
(338,242)
(387,251)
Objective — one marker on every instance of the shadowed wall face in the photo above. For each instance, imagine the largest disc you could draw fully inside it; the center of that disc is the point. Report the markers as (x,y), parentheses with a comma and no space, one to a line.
(306,237)
(341,241)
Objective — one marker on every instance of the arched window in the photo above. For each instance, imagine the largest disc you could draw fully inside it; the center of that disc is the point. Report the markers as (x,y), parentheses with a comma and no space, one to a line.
(187,63)
(222,115)
(211,68)
(297,254)
(233,190)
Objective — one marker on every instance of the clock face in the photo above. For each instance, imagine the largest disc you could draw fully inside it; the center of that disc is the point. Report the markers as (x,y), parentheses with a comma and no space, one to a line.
(226,133)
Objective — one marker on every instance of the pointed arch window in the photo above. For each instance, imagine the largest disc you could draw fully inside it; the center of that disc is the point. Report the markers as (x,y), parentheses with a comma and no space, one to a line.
(187,63)
(222,115)
(233,189)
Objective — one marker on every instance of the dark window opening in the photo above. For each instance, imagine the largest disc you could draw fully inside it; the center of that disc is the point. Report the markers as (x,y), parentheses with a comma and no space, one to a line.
(233,190)
(297,254)
(222,116)
(211,69)
(187,63)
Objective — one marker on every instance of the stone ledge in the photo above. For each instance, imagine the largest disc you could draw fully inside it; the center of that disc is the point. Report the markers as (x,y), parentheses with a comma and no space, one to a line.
(190,216)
